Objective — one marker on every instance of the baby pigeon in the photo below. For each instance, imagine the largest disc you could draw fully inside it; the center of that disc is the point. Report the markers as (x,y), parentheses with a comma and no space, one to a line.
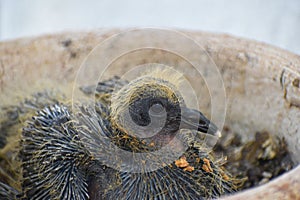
(138,140)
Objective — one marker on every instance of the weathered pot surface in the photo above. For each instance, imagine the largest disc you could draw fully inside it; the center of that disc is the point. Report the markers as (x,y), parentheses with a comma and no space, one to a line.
(262,85)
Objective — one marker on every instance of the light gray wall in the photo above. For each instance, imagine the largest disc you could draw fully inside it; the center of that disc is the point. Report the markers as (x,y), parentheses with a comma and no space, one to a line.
(273,21)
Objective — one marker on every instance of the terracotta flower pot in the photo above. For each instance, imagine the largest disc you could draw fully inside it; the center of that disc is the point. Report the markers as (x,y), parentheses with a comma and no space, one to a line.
(262,85)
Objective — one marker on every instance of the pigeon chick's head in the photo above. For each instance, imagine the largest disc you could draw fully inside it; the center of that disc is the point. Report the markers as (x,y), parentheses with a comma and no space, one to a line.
(151,106)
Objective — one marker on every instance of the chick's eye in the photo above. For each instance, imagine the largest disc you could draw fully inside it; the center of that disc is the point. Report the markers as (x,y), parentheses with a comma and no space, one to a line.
(156,108)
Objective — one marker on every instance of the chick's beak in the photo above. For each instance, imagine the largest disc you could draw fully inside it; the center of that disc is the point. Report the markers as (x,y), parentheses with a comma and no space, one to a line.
(194,119)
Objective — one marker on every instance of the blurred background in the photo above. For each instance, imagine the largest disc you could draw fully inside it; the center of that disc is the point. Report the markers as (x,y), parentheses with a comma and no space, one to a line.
(275,22)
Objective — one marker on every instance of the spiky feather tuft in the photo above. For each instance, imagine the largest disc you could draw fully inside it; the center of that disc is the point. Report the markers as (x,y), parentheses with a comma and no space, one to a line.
(52,157)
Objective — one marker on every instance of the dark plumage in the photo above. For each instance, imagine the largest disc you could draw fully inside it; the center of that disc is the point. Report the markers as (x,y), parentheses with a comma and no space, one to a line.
(79,153)
(52,157)
(7,192)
